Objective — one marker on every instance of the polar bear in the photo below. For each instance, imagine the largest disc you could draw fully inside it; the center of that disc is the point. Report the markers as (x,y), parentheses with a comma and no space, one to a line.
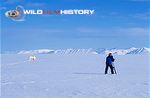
(32,58)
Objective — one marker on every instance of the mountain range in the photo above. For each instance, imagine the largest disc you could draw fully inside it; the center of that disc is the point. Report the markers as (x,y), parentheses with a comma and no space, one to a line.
(88,51)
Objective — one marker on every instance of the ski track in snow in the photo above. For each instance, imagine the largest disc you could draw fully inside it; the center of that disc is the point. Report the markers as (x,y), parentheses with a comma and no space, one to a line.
(16,63)
(73,76)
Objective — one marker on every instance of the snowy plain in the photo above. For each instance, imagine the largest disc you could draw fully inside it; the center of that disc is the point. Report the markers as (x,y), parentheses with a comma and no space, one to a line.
(73,76)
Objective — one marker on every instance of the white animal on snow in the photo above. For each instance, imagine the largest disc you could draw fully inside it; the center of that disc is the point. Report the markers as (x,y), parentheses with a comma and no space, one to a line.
(32,58)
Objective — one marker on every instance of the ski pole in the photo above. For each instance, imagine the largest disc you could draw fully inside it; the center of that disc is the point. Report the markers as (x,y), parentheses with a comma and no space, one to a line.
(114,68)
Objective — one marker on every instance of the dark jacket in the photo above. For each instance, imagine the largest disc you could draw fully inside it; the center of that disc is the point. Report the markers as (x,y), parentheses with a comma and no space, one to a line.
(109,60)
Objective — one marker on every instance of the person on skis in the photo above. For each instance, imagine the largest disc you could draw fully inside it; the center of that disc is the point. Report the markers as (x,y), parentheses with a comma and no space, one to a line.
(109,62)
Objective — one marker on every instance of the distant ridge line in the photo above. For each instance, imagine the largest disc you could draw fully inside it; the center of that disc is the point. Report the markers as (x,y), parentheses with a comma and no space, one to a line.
(88,51)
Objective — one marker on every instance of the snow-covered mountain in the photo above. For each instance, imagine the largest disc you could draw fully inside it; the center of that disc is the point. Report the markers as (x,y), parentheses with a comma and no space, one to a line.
(58,51)
(128,51)
(89,51)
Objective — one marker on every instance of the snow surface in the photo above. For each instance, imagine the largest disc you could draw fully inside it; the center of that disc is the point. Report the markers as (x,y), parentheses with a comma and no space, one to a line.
(73,76)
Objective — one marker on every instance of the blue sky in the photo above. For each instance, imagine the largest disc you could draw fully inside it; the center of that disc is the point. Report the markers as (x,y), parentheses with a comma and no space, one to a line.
(115,23)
